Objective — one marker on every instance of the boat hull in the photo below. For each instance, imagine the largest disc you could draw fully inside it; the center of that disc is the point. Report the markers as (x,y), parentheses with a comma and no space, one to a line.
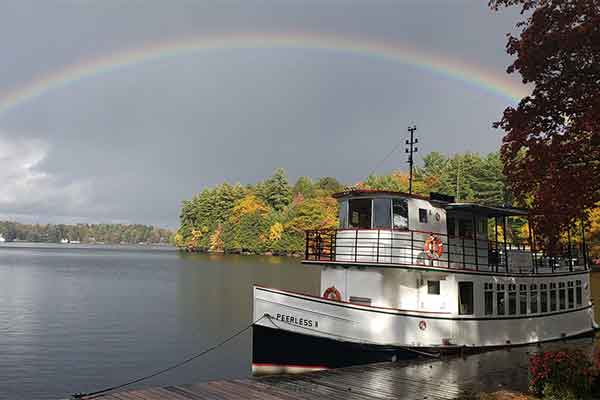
(299,330)
(281,351)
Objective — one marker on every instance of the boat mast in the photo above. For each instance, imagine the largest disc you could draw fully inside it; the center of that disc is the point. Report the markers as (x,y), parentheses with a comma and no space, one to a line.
(411,150)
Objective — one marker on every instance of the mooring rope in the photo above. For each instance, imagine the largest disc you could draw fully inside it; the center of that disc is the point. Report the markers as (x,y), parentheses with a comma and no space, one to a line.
(410,349)
(103,392)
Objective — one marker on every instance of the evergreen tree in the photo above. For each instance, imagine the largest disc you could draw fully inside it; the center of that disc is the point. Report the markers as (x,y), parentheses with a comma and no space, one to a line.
(276,190)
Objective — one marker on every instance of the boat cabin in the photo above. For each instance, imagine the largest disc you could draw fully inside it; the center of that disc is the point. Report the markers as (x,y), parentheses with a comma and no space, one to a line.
(433,254)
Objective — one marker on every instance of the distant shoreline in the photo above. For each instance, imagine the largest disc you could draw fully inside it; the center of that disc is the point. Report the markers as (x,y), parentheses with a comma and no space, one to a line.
(29,244)
(242,253)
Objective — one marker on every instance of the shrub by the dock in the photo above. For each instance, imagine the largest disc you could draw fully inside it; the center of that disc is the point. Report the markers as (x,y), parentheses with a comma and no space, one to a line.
(562,375)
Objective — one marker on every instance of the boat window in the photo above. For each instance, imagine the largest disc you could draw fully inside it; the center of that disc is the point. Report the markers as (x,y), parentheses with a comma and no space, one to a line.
(500,299)
(523,299)
(451,228)
(433,287)
(465,228)
(465,298)
(512,299)
(553,297)
(578,295)
(562,296)
(543,297)
(422,215)
(382,210)
(344,214)
(489,298)
(533,303)
(400,212)
(360,213)
(570,295)
(481,225)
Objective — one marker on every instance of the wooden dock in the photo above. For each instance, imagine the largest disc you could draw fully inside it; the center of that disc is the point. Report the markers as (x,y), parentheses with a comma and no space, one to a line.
(452,378)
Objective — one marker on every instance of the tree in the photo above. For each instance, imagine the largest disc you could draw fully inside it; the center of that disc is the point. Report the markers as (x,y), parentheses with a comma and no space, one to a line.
(304,186)
(329,185)
(551,149)
(276,190)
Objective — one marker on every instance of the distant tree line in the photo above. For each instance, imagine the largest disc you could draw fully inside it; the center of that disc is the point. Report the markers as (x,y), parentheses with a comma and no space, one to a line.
(85,233)
(271,216)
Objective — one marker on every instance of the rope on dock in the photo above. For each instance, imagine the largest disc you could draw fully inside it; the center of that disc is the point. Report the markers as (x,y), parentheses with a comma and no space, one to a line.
(100,393)
(409,349)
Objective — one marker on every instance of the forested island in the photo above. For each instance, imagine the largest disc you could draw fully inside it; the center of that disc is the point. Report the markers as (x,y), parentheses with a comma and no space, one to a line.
(85,233)
(271,216)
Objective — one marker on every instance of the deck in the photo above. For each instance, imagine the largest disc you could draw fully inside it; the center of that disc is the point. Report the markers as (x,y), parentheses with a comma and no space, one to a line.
(452,378)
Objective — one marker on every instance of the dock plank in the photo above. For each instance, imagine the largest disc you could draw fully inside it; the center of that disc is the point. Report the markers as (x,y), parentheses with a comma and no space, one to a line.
(440,379)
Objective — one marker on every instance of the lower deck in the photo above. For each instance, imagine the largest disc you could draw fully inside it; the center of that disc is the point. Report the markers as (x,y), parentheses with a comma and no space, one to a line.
(458,294)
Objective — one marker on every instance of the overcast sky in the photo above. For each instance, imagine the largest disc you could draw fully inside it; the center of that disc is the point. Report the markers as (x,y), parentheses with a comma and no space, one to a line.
(129,145)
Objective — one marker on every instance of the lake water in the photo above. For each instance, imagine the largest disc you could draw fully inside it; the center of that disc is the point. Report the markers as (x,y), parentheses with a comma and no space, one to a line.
(77,319)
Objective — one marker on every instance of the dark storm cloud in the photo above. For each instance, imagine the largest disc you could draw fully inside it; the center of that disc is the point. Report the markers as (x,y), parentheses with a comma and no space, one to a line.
(130,145)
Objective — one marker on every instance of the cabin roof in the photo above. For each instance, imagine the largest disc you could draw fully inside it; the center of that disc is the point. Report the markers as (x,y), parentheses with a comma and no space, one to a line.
(487,210)
(372,192)
(490,211)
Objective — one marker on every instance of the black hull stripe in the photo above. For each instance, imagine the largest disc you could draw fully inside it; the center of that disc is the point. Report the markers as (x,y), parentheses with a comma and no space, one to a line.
(442,269)
(401,314)
(272,346)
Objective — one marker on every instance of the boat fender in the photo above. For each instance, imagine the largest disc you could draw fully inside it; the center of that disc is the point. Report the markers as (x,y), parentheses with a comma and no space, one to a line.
(422,325)
(331,293)
(434,248)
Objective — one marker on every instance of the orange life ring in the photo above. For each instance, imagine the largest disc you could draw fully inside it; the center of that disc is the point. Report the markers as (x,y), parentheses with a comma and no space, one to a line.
(434,248)
(331,293)
(422,325)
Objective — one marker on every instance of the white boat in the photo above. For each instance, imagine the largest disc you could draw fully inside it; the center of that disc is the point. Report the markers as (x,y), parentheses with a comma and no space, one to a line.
(405,274)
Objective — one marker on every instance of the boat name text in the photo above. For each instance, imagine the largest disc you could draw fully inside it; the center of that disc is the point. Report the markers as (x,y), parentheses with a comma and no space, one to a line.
(290,319)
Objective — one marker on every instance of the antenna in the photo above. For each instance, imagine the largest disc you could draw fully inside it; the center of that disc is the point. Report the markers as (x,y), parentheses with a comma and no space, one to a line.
(410,150)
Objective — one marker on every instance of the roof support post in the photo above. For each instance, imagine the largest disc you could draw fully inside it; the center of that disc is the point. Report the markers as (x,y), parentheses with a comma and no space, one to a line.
(583,244)
(475,248)
(496,244)
(505,233)
(569,250)
(531,246)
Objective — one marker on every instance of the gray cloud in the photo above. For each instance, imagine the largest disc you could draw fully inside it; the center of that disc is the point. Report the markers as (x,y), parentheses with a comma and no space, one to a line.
(131,144)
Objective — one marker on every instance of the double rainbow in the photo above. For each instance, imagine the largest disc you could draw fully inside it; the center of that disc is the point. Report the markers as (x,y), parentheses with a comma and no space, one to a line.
(456,69)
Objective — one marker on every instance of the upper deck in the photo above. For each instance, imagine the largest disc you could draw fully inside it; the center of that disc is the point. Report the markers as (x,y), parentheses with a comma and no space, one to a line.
(398,230)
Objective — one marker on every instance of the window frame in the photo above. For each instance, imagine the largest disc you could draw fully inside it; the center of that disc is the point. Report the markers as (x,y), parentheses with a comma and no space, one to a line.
(488,298)
(423,212)
(523,302)
(471,304)
(405,201)
(435,283)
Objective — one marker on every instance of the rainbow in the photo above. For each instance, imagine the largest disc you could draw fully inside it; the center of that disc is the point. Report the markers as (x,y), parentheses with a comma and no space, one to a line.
(456,69)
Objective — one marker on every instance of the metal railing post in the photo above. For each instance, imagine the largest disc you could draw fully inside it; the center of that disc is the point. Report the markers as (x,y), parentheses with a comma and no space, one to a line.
(306,246)
(356,246)
(378,235)
(331,239)
(448,239)
(412,246)
(463,253)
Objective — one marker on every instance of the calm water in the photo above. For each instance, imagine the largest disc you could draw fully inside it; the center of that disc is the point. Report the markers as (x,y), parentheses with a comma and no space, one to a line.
(75,319)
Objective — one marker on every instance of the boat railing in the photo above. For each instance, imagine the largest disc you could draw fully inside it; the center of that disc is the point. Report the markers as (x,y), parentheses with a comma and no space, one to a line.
(407,248)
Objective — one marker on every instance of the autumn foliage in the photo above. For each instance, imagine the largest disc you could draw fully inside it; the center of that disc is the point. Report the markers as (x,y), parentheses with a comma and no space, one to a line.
(551,150)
